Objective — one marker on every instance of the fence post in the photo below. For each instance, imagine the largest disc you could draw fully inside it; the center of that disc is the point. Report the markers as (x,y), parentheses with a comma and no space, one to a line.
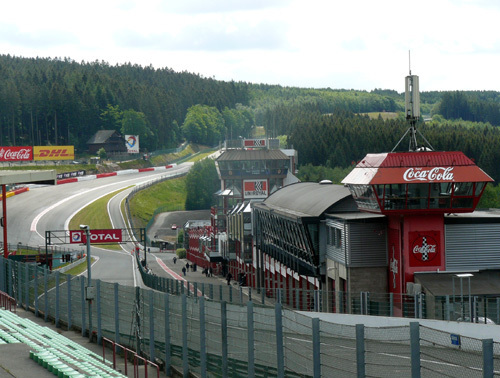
(447,308)
(57,299)
(498,310)
(185,361)
(391,304)
(36,291)
(280,360)
(251,340)
(316,348)
(360,350)
(488,365)
(68,282)
(98,311)
(117,314)
(223,324)
(415,349)
(82,303)
(9,277)
(203,348)
(45,295)
(167,334)
(151,326)
(26,285)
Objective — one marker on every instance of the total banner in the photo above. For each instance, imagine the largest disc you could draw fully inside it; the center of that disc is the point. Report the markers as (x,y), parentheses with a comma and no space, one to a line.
(96,236)
(10,153)
(132,143)
(255,189)
(53,153)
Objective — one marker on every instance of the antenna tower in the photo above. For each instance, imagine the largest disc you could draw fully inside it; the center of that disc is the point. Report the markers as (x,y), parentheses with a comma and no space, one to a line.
(412,110)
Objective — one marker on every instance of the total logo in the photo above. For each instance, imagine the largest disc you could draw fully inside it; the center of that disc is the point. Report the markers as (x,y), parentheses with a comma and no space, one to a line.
(131,141)
(96,236)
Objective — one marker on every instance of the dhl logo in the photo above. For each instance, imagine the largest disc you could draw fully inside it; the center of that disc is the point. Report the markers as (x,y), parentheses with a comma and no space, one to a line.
(54,153)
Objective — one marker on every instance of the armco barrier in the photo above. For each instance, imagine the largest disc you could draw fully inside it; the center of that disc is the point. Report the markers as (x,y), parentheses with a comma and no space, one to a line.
(110,174)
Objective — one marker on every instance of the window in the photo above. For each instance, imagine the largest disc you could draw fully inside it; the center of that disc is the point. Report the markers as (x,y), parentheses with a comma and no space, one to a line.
(334,237)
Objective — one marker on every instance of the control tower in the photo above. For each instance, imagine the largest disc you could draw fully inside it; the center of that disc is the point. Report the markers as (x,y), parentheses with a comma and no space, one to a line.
(414,190)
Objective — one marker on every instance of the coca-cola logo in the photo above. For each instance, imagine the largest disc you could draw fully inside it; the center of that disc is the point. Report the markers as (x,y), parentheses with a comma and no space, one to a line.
(433,174)
(425,248)
(16,153)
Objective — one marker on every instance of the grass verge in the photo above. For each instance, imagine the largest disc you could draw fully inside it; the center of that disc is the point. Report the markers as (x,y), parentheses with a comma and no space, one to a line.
(169,194)
(92,215)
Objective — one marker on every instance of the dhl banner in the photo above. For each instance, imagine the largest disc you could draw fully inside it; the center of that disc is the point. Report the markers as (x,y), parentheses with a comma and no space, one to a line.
(53,152)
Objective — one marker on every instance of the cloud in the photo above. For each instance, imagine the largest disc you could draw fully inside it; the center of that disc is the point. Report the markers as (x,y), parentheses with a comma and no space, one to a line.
(12,35)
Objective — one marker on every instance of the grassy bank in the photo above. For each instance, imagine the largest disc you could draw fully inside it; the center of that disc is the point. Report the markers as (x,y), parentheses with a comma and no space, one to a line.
(169,195)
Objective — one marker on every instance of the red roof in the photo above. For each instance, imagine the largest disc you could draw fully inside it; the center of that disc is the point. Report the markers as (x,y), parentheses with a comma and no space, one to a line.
(416,167)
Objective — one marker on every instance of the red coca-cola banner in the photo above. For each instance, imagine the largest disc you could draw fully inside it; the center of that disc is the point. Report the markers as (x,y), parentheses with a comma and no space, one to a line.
(16,153)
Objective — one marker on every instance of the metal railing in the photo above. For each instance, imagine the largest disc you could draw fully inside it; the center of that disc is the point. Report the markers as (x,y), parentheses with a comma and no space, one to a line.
(194,334)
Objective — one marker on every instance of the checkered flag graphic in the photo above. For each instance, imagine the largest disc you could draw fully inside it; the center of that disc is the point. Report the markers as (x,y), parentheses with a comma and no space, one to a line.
(257,142)
(425,253)
(258,186)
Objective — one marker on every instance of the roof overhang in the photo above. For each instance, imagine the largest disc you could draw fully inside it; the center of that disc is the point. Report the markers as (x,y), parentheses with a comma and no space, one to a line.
(415,167)
(28,177)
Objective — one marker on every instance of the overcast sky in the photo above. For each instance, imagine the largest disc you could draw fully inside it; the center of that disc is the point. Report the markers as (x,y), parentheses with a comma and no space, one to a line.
(348,44)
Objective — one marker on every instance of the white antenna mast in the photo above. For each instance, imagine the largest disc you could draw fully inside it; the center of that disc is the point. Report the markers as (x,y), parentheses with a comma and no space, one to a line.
(412,108)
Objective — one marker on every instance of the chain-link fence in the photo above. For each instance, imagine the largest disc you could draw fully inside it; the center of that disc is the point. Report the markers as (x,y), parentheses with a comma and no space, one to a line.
(192,333)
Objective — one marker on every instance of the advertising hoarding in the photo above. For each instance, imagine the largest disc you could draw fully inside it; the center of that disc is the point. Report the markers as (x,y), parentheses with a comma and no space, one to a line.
(53,153)
(132,143)
(255,189)
(10,153)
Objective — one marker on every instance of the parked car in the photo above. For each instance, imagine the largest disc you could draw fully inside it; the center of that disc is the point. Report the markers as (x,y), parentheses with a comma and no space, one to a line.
(174,227)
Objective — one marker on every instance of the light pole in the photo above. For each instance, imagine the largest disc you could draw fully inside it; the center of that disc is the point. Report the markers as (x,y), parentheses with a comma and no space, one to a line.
(462,276)
(89,293)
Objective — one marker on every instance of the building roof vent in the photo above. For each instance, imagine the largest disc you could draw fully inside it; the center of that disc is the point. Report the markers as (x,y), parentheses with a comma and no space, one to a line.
(325,182)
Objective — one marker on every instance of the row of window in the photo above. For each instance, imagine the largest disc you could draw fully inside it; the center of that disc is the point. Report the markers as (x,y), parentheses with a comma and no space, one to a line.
(458,195)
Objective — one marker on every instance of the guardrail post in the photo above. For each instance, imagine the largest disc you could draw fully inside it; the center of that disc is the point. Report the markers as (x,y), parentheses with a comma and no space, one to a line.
(221,298)
(167,334)
(251,340)
(151,326)
(415,349)
(360,350)
(316,348)
(280,356)
(98,311)
(223,324)
(488,366)
(203,346)
(57,299)
(185,361)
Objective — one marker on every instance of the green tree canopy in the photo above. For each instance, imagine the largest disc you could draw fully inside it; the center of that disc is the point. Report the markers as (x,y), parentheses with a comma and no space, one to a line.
(202,182)
(204,125)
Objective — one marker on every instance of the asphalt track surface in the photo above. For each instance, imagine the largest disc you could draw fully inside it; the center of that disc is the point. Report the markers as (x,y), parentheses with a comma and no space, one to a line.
(50,208)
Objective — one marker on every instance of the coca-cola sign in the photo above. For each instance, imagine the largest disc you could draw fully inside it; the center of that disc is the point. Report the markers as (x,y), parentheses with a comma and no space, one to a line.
(16,153)
(433,174)
(424,248)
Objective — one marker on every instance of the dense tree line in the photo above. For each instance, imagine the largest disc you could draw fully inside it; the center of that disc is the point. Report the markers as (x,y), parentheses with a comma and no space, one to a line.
(202,182)
(53,101)
(343,138)
(477,107)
